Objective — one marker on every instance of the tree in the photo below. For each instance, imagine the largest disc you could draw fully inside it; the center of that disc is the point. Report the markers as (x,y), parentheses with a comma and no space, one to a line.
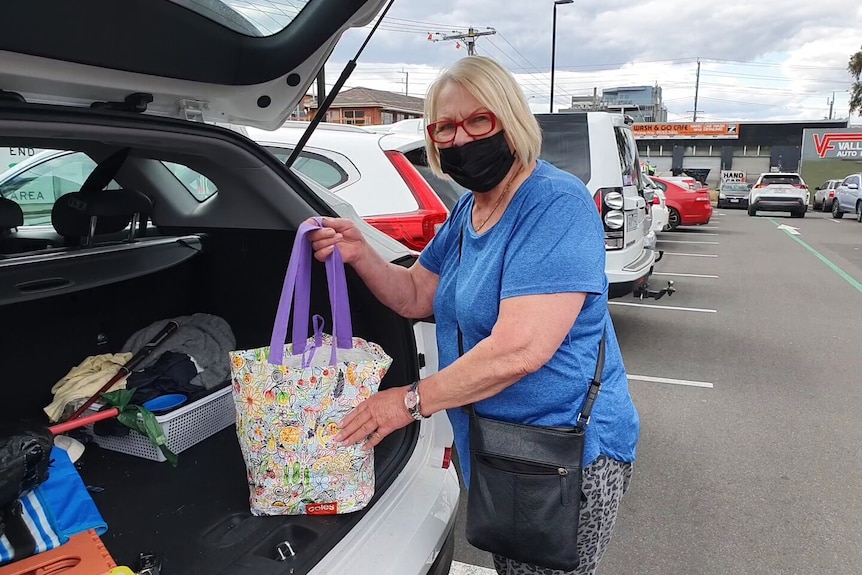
(855,69)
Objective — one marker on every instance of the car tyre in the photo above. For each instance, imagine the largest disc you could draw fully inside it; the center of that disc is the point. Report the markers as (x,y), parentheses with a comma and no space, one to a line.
(673,219)
(752,211)
(859,212)
(836,211)
(800,214)
(818,206)
(825,207)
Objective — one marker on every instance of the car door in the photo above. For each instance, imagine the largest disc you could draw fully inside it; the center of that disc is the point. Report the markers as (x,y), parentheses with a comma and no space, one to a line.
(842,194)
(853,192)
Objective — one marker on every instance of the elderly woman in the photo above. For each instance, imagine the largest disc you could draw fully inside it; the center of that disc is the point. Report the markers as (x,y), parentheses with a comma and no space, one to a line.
(516,277)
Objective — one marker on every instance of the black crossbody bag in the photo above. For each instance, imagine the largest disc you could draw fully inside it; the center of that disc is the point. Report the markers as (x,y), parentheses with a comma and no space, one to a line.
(525,483)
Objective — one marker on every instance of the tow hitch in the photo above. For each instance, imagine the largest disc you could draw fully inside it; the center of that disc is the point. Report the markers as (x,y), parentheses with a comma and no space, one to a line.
(643,291)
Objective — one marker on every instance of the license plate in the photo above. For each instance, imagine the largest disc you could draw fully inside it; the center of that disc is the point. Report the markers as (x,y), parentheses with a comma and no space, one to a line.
(734,200)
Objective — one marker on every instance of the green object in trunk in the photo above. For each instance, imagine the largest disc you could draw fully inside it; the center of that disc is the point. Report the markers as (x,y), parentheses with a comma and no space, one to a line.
(146,425)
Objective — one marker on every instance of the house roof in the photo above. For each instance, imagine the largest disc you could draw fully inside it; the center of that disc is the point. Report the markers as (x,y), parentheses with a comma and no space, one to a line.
(369,98)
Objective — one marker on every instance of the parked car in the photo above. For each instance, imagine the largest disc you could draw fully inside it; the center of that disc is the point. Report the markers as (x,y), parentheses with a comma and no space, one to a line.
(824,195)
(848,198)
(779,192)
(145,100)
(599,148)
(374,173)
(658,208)
(733,195)
(686,206)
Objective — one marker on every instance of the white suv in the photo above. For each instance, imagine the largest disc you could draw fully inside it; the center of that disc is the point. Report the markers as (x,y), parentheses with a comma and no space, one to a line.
(600,149)
(779,192)
(132,108)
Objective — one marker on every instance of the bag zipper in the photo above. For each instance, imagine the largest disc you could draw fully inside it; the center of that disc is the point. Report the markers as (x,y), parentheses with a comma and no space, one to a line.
(562,472)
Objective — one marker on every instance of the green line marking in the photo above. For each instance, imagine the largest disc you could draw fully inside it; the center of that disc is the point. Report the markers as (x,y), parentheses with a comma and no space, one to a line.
(841,273)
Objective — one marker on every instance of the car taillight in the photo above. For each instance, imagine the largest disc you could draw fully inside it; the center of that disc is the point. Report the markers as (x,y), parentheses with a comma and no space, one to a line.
(831,193)
(610,202)
(413,229)
(800,186)
(656,201)
(447,457)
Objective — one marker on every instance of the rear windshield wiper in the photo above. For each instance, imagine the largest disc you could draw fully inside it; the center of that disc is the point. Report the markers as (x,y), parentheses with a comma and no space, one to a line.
(321,110)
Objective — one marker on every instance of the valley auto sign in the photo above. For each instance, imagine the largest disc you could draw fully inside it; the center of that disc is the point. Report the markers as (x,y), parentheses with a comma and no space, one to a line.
(841,144)
(688,130)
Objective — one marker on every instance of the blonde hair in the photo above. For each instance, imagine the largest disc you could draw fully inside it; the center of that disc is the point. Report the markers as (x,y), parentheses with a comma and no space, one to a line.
(496,88)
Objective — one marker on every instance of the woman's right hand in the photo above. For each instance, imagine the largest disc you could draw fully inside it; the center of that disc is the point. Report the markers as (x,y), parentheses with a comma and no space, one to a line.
(339,231)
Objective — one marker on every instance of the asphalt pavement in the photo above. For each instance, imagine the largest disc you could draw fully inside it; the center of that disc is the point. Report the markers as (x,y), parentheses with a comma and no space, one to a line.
(748,381)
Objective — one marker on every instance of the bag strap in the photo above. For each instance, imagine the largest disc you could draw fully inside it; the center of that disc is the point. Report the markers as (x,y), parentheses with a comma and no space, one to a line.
(595,385)
(297,286)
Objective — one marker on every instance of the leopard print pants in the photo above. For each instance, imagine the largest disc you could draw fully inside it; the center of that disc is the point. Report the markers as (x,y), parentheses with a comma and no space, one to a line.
(604,483)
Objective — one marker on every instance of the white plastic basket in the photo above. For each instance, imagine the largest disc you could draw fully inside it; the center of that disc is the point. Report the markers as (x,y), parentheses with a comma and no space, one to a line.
(183,427)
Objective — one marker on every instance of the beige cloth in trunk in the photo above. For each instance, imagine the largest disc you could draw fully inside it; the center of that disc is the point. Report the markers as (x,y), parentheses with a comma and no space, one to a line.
(86,379)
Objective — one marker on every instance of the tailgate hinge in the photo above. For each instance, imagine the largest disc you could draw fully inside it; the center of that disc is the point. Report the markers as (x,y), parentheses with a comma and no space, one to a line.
(193,110)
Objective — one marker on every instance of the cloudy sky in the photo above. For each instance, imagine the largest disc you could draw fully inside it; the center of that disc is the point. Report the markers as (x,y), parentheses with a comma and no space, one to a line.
(766,60)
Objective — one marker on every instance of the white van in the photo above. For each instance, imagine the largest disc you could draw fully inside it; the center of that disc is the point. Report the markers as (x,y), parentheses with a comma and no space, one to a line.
(600,149)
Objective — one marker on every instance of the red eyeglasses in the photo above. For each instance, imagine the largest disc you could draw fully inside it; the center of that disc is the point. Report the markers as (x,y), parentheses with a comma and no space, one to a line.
(477,124)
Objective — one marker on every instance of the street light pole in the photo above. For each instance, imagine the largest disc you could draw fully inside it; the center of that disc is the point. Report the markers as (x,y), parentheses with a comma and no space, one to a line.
(554,47)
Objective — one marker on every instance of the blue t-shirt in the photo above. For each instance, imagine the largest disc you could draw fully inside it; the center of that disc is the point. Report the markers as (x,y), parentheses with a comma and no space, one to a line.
(550,240)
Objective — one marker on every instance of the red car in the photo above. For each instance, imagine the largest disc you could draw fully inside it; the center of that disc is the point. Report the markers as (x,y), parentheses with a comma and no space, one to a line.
(687,206)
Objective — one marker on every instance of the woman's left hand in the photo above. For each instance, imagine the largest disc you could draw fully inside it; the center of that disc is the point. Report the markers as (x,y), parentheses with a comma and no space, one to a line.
(375,418)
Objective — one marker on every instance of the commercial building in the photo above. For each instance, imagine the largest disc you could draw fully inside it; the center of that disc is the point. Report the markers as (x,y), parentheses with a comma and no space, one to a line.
(641,103)
(703,149)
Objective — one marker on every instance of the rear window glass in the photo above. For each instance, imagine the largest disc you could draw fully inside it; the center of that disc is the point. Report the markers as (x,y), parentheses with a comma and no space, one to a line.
(566,143)
(626,150)
(198,185)
(320,169)
(770,179)
(249,17)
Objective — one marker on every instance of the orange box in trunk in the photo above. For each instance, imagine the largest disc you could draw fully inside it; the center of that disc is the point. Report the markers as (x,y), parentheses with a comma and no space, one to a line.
(84,554)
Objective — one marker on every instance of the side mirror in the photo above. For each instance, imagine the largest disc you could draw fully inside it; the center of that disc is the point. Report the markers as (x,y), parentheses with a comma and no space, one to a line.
(853,186)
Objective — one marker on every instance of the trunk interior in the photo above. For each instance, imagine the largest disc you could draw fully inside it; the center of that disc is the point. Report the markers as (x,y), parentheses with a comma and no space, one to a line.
(195,517)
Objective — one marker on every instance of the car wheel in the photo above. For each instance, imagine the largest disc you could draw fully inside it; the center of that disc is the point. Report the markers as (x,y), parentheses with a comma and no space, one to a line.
(673,219)
(752,211)
(800,214)
(836,211)
(859,212)
(825,207)
(818,206)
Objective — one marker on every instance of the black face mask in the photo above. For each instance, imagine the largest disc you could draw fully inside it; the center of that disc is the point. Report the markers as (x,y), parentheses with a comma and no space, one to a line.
(479,165)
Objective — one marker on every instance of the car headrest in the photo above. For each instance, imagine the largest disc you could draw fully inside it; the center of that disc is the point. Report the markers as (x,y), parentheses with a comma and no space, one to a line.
(113,210)
(11,214)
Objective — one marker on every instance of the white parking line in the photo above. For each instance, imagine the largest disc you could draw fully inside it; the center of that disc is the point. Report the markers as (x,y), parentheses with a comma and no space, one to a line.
(671,381)
(834,221)
(707,276)
(690,255)
(692,234)
(687,242)
(670,307)
(459,568)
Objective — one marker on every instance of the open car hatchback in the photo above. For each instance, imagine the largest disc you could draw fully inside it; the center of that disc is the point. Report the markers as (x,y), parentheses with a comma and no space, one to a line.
(124,99)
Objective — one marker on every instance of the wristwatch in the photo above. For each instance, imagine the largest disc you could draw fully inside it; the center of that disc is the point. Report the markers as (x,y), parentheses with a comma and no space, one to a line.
(411,402)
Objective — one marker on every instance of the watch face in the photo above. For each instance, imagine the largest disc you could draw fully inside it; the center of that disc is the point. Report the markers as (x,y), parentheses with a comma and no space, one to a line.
(411,399)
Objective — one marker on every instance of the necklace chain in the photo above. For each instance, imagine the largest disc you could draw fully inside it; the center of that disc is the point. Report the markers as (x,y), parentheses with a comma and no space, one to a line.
(499,200)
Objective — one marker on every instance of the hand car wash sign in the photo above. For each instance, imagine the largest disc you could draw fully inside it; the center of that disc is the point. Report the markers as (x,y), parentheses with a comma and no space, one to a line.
(840,144)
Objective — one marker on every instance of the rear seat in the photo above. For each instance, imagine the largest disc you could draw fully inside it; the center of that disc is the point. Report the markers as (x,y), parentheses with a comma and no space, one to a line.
(11,217)
(81,216)
(82,219)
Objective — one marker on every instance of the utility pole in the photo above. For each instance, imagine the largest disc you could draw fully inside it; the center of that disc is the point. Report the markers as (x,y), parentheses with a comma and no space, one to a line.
(831,104)
(469,37)
(595,98)
(406,82)
(696,92)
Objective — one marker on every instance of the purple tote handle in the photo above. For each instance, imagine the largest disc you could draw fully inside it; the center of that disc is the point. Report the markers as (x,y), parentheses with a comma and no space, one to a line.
(297,285)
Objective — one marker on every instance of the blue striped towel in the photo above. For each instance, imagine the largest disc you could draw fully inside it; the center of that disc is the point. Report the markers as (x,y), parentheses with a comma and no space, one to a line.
(52,513)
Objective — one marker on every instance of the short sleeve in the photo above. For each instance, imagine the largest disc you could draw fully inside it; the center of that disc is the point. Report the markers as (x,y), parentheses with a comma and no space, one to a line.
(558,247)
(435,252)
